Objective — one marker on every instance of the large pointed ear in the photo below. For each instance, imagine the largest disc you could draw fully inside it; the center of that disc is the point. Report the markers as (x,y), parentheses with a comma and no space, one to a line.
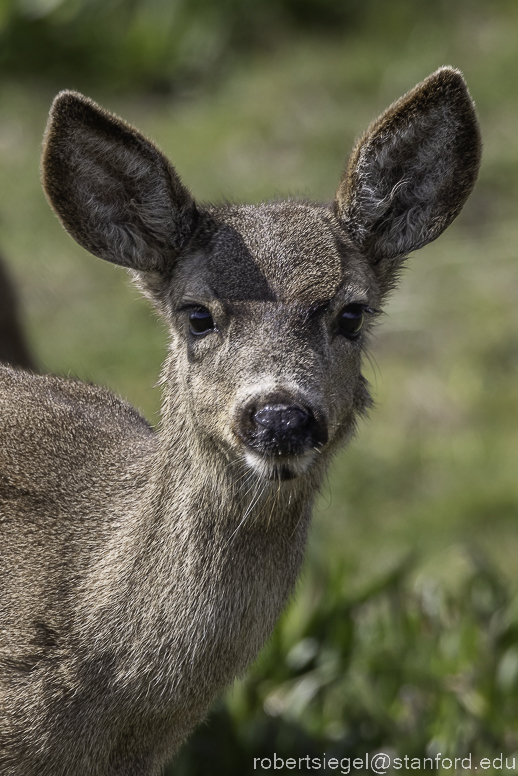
(113,190)
(411,172)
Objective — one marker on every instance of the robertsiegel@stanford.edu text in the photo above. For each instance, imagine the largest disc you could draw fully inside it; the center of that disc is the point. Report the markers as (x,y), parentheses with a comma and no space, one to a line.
(381,762)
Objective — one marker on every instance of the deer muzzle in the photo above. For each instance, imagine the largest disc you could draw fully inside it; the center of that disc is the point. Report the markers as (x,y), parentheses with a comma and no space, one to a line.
(281,436)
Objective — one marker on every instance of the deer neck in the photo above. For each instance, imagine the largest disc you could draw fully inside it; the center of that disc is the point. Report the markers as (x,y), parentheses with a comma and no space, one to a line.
(202,570)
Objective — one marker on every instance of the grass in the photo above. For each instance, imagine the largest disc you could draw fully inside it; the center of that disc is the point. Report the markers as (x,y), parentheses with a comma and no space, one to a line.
(403,630)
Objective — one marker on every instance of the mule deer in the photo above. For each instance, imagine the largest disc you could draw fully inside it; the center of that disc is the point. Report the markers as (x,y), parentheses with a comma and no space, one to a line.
(142,571)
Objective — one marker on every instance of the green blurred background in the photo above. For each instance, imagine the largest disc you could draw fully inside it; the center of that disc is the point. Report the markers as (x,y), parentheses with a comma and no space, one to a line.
(403,635)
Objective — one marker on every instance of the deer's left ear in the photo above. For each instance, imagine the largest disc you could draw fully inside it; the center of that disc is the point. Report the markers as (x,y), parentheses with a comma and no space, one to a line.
(113,190)
(411,172)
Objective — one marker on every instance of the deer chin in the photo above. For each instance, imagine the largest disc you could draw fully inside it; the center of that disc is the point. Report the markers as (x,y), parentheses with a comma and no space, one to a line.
(279,468)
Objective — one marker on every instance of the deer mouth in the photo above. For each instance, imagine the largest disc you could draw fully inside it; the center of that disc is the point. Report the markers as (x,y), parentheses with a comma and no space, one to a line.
(280,468)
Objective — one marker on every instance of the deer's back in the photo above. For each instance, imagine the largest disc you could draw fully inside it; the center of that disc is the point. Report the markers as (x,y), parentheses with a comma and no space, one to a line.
(72,457)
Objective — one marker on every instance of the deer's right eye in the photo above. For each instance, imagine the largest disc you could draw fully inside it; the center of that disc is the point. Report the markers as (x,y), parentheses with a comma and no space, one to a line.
(350,321)
(201,321)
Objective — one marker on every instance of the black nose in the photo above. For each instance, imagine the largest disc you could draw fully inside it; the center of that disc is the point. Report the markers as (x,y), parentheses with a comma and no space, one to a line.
(282,429)
(281,420)
(275,426)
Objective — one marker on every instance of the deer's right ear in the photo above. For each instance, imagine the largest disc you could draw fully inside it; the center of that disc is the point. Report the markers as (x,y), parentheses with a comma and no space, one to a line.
(113,190)
(411,172)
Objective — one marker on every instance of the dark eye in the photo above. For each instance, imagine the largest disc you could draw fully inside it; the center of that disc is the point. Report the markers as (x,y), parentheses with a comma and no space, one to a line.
(200,320)
(350,321)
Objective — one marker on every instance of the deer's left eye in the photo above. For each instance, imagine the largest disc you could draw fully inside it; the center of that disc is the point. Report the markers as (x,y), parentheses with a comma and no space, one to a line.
(350,320)
(201,321)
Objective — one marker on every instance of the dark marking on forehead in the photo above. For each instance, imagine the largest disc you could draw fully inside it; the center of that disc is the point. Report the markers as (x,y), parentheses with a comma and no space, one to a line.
(233,271)
(286,251)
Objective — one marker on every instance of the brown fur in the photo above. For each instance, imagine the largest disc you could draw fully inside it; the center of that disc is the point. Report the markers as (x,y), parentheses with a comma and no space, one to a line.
(143,571)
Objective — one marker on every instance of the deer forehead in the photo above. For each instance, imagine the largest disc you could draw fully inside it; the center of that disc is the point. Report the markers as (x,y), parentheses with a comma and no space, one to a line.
(289,252)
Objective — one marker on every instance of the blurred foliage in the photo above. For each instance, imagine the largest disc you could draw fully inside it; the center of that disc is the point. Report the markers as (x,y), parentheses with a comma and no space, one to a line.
(158,44)
(147,43)
(403,635)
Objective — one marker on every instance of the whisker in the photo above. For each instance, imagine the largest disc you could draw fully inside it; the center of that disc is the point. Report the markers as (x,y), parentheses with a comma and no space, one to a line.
(253,502)
(275,501)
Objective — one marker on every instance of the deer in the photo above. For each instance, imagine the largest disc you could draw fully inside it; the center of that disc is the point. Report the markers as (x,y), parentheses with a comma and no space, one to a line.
(143,570)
